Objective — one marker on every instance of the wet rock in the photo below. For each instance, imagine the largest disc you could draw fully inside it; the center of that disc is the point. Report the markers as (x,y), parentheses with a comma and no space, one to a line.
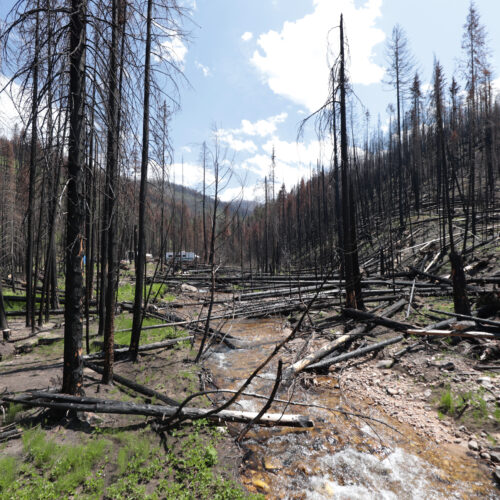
(258,483)
(473,445)
(271,463)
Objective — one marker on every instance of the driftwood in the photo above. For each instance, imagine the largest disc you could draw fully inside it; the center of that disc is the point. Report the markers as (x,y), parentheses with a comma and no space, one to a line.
(95,405)
(354,354)
(454,333)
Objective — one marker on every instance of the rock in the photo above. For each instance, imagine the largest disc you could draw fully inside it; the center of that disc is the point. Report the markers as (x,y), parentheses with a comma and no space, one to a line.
(496,476)
(473,445)
(261,485)
(484,381)
(463,325)
(495,456)
(188,288)
(272,463)
(444,365)
(427,394)
(392,391)
(485,455)
(385,363)
(329,490)
(462,428)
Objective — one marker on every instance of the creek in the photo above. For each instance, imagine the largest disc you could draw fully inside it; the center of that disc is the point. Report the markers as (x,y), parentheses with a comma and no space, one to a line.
(342,457)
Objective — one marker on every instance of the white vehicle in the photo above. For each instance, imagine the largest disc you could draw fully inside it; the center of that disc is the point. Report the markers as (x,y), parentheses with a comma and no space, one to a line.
(182,256)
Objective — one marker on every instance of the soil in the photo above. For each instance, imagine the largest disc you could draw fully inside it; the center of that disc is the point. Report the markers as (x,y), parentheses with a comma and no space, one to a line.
(170,371)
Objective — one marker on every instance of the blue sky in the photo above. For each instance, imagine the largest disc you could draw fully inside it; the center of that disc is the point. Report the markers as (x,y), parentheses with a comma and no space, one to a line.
(256,68)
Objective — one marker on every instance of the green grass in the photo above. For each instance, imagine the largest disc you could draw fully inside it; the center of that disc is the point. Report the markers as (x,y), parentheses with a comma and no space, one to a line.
(472,402)
(11,413)
(126,292)
(118,465)
(124,321)
(443,304)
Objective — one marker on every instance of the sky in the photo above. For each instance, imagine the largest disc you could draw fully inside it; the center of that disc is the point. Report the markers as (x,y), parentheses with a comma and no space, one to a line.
(257,68)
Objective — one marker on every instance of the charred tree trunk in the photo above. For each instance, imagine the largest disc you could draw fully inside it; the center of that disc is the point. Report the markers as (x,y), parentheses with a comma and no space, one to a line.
(141,244)
(75,227)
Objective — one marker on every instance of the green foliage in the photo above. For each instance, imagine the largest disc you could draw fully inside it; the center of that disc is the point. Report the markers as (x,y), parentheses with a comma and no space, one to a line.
(124,322)
(8,471)
(496,413)
(50,470)
(455,405)
(126,292)
(11,413)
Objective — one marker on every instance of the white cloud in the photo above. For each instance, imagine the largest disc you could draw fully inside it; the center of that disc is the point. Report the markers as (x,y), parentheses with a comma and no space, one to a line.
(9,115)
(172,49)
(205,69)
(495,84)
(295,62)
(294,161)
(227,137)
(191,173)
(247,36)
(262,127)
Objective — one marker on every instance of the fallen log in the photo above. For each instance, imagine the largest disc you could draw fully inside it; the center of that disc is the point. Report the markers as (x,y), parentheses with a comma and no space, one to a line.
(454,333)
(95,405)
(300,365)
(142,348)
(8,435)
(432,277)
(472,318)
(303,363)
(52,312)
(378,320)
(141,389)
(358,352)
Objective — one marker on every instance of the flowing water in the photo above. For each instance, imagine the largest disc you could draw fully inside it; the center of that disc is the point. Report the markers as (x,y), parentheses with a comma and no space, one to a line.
(341,457)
